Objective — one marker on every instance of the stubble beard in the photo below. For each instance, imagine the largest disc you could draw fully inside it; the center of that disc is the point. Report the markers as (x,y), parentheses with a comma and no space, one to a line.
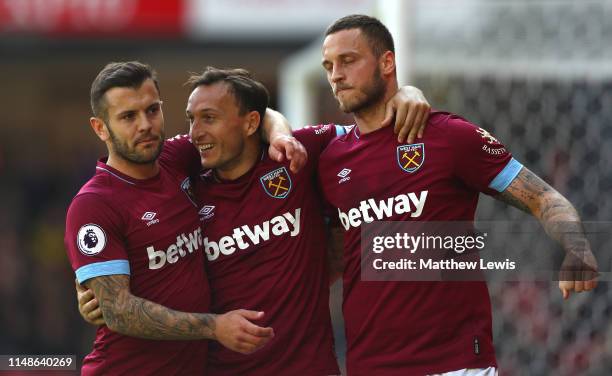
(130,154)
(373,94)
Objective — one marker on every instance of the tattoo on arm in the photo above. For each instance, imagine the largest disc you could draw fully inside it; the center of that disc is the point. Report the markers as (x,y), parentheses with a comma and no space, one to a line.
(524,190)
(133,316)
(560,220)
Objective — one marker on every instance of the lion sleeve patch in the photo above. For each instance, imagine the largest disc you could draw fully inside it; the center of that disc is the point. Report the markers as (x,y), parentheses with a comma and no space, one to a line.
(91,239)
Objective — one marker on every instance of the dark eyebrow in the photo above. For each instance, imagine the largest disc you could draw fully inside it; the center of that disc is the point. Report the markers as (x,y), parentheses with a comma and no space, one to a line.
(206,110)
(202,112)
(126,112)
(156,104)
(341,56)
(348,54)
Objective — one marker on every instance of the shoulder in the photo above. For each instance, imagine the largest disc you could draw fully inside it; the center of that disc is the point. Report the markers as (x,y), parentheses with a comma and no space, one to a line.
(100,198)
(176,147)
(91,212)
(463,132)
(319,136)
(99,185)
(345,136)
(180,156)
(451,122)
(91,205)
(320,130)
(440,121)
(180,141)
(452,127)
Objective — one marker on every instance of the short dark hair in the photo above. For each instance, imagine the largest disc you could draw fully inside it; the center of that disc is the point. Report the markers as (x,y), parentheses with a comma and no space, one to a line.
(250,94)
(376,32)
(118,74)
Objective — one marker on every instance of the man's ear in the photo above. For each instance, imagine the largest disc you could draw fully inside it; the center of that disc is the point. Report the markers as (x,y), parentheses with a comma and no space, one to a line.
(252,122)
(387,63)
(99,128)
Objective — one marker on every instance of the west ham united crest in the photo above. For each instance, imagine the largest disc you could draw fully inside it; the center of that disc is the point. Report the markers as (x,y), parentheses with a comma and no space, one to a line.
(277,183)
(187,188)
(411,157)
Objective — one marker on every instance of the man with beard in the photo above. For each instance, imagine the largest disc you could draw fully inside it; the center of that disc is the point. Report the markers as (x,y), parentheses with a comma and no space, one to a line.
(416,328)
(133,237)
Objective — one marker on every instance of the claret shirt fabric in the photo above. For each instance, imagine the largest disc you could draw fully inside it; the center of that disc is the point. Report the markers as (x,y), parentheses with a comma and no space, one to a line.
(412,328)
(265,246)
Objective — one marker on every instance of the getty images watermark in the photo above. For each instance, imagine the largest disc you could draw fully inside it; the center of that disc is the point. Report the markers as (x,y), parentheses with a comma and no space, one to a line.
(464,251)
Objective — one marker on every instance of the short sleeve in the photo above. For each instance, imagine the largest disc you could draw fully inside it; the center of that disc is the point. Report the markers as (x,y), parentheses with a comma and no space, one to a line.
(93,239)
(182,155)
(480,160)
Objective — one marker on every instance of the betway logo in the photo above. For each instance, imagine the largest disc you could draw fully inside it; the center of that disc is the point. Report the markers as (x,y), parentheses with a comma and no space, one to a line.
(184,244)
(244,236)
(370,210)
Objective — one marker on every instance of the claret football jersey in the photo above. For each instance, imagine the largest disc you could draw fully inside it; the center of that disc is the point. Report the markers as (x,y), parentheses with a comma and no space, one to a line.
(264,242)
(402,327)
(149,230)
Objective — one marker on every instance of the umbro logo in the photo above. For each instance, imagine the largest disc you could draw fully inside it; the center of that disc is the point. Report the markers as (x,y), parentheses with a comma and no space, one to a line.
(207,212)
(344,175)
(150,218)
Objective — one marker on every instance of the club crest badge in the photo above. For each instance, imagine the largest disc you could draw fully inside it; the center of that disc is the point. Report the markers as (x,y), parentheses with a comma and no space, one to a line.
(187,188)
(277,183)
(91,239)
(411,157)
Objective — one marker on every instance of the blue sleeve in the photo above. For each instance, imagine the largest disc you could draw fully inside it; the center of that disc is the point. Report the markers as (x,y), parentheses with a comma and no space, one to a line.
(506,176)
(99,269)
(340,130)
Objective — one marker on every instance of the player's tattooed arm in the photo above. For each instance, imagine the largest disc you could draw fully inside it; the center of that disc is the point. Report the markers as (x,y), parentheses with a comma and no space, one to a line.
(130,315)
(561,222)
(133,316)
(531,194)
(335,261)
(276,131)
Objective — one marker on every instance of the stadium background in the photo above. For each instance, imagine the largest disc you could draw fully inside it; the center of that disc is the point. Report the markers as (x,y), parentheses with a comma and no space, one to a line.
(537,74)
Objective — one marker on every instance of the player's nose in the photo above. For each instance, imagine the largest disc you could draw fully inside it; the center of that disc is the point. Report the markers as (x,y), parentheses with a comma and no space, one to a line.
(144,122)
(337,74)
(197,132)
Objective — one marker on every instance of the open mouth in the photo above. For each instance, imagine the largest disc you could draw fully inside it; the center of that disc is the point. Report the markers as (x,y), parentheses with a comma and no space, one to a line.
(204,147)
